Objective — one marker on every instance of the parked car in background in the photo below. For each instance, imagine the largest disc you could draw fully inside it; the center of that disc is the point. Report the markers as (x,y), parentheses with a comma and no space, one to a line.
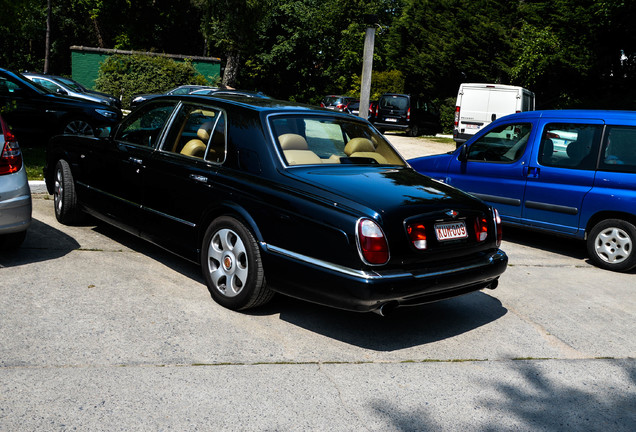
(479,104)
(230,92)
(181,90)
(351,107)
(404,112)
(15,195)
(335,102)
(35,113)
(66,86)
(585,188)
(269,197)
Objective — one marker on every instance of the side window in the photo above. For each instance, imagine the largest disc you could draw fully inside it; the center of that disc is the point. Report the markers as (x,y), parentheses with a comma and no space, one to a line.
(619,149)
(144,127)
(198,132)
(46,84)
(7,86)
(505,144)
(570,145)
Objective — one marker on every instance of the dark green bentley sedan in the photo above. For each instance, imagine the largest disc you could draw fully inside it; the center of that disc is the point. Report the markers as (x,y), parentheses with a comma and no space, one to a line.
(269,196)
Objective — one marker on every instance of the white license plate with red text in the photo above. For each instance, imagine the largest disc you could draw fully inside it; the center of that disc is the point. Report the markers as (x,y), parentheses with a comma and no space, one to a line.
(390,120)
(451,231)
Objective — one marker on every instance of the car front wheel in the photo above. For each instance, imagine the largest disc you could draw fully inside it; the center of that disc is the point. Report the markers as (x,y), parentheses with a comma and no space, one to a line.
(78,127)
(64,197)
(611,243)
(232,267)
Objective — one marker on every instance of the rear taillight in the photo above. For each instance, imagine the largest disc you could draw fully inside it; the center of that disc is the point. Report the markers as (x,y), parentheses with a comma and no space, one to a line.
(408,114)
(498,226)
(10,154)
(322,105)
(456,116)
(481,229)
(417,235)
(372,243)
(377,109)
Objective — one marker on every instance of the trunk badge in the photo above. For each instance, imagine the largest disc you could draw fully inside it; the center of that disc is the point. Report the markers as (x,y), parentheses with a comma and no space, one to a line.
(452,213)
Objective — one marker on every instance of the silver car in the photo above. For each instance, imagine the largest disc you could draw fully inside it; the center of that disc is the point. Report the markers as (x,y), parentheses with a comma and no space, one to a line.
(67,86)
(15,195)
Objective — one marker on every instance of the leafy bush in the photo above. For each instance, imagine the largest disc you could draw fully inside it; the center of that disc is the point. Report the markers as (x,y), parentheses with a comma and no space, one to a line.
(447,114)
(128,75)
(381,82)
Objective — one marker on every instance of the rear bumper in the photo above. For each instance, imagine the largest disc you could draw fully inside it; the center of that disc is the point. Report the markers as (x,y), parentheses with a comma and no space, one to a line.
(15,214)
(390,126)
(363,291)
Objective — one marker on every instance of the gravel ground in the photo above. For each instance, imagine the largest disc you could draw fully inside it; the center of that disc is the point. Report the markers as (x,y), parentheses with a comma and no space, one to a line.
(412,147)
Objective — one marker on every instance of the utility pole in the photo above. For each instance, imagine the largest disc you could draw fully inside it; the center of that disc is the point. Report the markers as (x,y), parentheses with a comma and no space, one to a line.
(367,65)
(47,43)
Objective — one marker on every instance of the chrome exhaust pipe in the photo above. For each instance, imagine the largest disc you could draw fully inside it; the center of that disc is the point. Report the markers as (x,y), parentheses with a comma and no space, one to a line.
(386,308)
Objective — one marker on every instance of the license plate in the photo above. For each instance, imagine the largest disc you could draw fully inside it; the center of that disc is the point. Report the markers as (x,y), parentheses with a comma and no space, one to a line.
(391,120)
(451,231)
(472,126)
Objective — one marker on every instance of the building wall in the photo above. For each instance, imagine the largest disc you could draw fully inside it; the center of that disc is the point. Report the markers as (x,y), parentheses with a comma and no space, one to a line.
(85,63)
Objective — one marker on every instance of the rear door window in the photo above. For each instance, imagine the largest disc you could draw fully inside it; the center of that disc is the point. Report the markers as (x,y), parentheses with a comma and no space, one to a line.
(570,145)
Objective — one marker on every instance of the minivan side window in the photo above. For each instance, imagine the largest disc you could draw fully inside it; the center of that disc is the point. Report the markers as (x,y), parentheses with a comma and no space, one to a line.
(570,145)
(506,144)
(619,149)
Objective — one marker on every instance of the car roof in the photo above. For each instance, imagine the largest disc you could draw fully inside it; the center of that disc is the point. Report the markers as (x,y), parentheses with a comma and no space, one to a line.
(263,105)
(574,114)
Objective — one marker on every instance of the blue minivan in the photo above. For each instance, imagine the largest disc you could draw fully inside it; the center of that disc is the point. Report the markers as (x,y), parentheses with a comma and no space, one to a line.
(567,172)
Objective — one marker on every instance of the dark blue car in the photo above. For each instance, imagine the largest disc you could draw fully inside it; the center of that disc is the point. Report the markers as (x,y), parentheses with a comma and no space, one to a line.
(570,172)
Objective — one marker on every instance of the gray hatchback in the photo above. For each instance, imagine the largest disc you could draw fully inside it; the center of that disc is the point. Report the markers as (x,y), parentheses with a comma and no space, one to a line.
(15,195)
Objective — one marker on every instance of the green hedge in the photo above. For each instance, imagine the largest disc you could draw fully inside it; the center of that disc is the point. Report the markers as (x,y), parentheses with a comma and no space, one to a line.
(129,75)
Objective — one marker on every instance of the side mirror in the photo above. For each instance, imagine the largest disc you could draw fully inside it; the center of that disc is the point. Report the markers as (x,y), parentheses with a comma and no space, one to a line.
(103,132)
(463,153)
(61,91)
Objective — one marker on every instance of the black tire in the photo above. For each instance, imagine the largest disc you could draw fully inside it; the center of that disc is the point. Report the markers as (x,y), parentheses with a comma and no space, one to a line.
(12,241)
(64,196)
(611,243)
(232,267)
(78,127)
(413,131)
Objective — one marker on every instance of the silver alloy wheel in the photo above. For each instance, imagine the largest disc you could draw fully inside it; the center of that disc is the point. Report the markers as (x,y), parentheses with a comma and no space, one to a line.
(613,245)
(227,262)
(58,191)
(78,127)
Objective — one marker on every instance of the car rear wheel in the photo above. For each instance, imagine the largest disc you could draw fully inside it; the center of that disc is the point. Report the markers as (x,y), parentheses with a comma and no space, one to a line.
(610,245)
(64,197)
(232,267)
(78,127)
(413,131)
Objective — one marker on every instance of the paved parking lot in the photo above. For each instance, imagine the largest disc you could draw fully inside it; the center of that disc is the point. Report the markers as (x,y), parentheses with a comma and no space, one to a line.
(101,331)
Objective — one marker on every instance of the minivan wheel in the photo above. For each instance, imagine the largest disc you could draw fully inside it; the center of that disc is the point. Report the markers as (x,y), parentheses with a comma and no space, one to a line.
(610,245)
(232,267)
(413,131)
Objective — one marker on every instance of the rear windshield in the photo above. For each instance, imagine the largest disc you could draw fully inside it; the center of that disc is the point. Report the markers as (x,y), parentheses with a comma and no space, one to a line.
(394,102)
(315,140)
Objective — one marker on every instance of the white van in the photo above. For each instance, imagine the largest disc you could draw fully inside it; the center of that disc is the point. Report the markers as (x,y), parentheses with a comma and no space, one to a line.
(479,104)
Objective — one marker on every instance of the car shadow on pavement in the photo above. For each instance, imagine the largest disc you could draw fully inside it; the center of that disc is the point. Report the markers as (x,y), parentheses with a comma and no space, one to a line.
(403,328)
(42,243)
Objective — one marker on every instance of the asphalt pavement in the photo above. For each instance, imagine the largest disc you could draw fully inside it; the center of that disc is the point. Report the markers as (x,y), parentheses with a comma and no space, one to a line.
(100,331)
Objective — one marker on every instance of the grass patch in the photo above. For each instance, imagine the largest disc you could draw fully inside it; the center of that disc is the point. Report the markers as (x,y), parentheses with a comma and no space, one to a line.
(34,158)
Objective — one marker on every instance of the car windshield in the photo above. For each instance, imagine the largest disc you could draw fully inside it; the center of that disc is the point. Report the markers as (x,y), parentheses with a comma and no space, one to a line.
(311,140)
(75,86)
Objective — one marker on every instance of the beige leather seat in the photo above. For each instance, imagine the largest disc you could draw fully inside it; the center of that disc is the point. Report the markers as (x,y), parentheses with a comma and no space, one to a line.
(196,147)
(297,151)
(363,147)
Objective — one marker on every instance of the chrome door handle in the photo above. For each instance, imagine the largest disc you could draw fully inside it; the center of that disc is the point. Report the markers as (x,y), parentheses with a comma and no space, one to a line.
(199,178)
(136,161)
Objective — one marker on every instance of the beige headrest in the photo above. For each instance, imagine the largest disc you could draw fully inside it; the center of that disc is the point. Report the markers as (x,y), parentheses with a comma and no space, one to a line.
(356,145)
(292,142)
(203,134)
